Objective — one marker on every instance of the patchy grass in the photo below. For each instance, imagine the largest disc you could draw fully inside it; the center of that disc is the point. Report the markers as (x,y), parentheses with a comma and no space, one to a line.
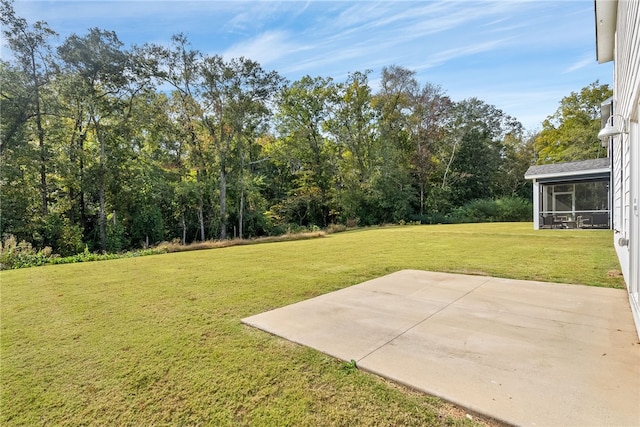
(157,340)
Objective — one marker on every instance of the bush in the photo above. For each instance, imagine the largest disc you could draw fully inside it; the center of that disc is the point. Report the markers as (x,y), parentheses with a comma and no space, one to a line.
(431,218)
(17,255)
(514,209)
(116,240)
(505,209)
(481,210)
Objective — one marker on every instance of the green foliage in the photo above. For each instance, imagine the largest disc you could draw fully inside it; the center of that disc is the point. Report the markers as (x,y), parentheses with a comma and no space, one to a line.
(480,210)
(570,134)
(505,209)
(147,226)
(15,255)
(63,237)
(109,161)
(116,238)
(349,367)
(87,256)
(514,209)
(18,255)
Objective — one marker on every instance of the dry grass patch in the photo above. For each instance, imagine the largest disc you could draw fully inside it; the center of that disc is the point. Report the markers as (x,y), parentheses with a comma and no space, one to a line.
(171,247)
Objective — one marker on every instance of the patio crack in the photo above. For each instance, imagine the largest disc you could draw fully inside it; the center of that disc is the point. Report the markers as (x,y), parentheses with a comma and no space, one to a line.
(425,319)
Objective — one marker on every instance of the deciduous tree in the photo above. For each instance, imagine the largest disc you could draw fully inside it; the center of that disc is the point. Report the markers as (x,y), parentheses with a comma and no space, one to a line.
(30,44)
(571,133)
(100,67)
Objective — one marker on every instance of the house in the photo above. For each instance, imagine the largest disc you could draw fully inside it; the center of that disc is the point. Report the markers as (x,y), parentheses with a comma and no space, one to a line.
(571,195)
(618,40)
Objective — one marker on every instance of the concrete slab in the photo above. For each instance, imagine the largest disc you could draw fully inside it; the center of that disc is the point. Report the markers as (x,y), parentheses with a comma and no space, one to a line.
(526,353)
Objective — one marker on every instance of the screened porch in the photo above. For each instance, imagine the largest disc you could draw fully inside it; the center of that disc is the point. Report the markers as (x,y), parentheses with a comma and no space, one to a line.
(575,205)
(571,195)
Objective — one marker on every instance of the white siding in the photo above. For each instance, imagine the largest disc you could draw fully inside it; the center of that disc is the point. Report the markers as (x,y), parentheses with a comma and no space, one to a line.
(626,180)
(633,282)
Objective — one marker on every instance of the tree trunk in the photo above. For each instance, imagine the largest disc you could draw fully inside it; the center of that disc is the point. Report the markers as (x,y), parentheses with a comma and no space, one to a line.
(41,146)
(223,202)
(83,214)
(201,216)
(446,171)
(103,217)
(101,192)
(184,229)
(241,214)
(421,198)
(72,192)
(76,145)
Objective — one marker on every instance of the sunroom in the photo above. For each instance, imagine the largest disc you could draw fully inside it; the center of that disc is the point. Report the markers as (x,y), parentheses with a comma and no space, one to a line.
(571,195)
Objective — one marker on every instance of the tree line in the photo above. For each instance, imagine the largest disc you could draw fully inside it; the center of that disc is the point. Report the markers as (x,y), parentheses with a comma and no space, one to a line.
(114,148)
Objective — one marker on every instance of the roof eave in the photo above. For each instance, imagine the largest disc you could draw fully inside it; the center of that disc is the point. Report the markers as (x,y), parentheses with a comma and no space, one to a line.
(568,174)
(606,12)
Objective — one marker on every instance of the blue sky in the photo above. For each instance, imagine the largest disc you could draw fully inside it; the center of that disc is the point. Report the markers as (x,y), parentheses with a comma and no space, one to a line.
(521,56)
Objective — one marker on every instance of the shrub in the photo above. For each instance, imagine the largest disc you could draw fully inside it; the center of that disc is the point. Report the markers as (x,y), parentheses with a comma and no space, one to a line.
(431,218)
(505,209)
(64,237)
(17,255)
(115,239)
(481,210)
(514,209)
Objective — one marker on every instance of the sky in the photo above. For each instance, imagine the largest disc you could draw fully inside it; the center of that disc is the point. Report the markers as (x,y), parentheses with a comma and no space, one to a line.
(521,56)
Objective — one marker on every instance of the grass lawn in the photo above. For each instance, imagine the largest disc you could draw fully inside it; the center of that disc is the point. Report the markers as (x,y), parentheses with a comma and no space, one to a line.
(157,340)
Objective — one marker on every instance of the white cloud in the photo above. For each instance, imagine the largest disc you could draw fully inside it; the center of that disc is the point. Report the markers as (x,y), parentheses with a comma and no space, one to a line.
(587,59)
(266,48)
(458,52)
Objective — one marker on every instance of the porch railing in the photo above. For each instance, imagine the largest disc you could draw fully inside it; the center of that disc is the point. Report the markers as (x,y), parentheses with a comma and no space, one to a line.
(575,219)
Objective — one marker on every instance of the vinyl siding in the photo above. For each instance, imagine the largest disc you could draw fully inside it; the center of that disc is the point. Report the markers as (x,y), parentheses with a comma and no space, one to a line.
(626,148)
(626,84)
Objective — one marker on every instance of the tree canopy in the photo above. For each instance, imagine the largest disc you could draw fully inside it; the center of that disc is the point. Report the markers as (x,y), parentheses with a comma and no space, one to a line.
(571,133)
(112,148)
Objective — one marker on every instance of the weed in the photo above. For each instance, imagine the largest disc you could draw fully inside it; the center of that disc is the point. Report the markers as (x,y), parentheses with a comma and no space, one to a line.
(349,367)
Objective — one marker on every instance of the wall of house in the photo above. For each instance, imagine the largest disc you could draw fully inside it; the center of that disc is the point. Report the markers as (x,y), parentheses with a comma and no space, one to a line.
(626,178)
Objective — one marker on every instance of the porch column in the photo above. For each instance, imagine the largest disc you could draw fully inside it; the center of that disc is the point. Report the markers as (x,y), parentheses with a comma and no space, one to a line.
(536,205)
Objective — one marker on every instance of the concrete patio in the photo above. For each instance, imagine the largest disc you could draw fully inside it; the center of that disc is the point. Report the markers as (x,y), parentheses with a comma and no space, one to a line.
(521,352)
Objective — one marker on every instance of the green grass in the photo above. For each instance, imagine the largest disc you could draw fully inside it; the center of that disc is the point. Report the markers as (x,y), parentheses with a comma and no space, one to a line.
(157,340)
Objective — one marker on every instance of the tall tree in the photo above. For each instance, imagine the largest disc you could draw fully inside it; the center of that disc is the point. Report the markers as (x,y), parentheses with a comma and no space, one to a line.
(430,113)
(100,66)
(571,133)
(31,47)
(303,109)
(517,156)
(394,101)
(180,66)
(19,170)
(353,127)
(476,150)
(235,95)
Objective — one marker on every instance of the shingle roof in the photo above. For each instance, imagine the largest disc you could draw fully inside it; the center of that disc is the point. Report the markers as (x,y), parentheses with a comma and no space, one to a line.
(570,168)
